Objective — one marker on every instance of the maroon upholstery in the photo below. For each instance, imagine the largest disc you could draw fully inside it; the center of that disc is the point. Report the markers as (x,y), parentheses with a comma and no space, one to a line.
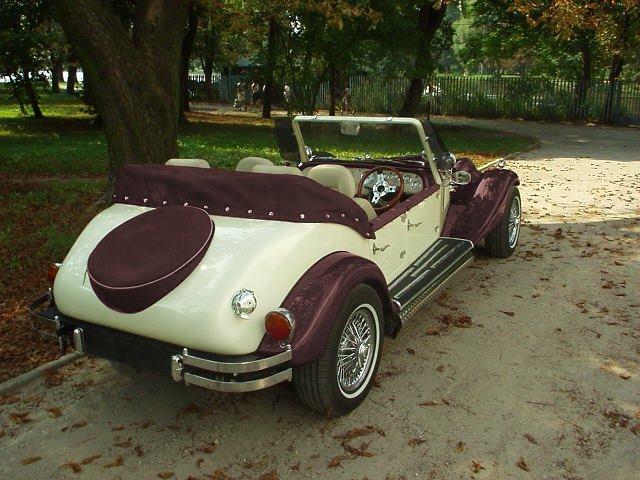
(146,257)
(288,198)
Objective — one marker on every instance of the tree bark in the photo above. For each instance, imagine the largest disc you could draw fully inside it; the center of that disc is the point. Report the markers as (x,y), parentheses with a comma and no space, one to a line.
(207,68)
(134,76)
(56,73)
(72,73)
(187,49)
(333,89)
(584,83)
(617,64)
(430,18)
(31,94)
(269,68)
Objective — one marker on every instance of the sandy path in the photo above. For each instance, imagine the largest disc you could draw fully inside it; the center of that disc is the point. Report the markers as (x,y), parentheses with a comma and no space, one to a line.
(536,380)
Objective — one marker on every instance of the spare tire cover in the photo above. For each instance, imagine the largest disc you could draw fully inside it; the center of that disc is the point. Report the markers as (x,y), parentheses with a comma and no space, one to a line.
(146,257)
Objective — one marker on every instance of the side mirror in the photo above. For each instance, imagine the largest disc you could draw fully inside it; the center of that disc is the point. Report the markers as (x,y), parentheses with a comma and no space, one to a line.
(446,161)
(461,178)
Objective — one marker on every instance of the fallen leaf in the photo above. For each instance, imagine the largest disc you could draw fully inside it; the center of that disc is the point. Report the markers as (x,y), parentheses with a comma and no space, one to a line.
(53,378)
(165,475)
(616,370)
(510,314)
(90,459)
(20,417)
(360,432)
(635,429)
(54,411)
(118,428)
(476,466)
(30,460)
(414,442)
(433,403)
(440,369)
(79,424)
(360,451)
(75,467)
(199,462)
(337,461)
(460,447)
(272,475)
(530,437)
(522,464)
(433,330)
(125,444)
(117,462)
(139,450)
(220,474)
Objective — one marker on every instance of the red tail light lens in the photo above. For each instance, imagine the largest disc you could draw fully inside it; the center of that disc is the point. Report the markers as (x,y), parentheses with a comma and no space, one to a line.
(279,325)
(52,272)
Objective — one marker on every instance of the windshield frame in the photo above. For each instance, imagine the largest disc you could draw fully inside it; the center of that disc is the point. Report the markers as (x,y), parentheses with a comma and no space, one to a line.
(424,140)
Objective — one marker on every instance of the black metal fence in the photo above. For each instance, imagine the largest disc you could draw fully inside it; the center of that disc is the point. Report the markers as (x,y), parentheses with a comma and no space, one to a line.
(530,98)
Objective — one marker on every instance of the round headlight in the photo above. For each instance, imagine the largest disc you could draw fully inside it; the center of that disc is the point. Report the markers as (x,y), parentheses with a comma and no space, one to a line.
(244,303)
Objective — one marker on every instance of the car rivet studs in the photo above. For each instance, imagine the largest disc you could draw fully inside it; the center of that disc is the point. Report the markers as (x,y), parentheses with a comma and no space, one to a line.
(328,216)
(302,215)
(164,202)
(249,211)
(226,209)
(271,214)
(206,207)
(126,198)
(186,204)
(145,200)
(357,219)
(342,215)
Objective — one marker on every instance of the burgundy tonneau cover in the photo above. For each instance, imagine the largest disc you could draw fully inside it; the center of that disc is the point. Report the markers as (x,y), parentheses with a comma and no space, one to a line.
(288,198)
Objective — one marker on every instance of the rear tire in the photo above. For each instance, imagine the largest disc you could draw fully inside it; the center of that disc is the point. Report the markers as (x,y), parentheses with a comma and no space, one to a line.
(340,380)
(502,241)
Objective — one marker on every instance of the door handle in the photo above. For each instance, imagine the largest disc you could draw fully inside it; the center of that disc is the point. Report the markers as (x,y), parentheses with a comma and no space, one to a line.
(380,249)
(411,225)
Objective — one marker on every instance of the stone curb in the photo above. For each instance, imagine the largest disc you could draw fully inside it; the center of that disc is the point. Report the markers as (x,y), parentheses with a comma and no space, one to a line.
(14,383)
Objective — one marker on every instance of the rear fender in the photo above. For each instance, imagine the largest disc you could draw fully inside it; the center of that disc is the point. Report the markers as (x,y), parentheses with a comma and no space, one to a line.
(317,297)
(478,207)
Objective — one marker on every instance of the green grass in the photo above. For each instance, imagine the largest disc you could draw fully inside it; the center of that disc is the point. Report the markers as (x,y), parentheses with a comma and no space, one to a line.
(66,143)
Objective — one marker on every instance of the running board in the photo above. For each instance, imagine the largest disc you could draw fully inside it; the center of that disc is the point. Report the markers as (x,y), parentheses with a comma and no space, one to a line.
(429,274)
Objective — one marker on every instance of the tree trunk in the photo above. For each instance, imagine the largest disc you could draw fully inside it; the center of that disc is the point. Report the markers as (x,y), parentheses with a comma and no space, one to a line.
(72,71)
(269,68)
(584,83)
(56,74)
(17,94)
(617,63)
(31,94)
(333,89)
(430,18)
(187,48)
(207,68)
(134,76)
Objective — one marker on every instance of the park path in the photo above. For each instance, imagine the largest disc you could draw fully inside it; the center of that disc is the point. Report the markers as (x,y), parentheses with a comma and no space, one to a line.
(544,383)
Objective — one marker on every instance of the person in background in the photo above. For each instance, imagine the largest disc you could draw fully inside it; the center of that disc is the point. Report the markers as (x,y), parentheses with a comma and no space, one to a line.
(240,101)
(255,93)
(286,93)
(346,100)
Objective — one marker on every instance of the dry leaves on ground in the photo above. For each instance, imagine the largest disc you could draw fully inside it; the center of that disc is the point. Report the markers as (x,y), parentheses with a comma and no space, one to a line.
(476,466)
(117,462)
(530,437)
(414,442)
(90,459)
(165,475)
(616,370)
(522,464)
(30,460)
(74,466)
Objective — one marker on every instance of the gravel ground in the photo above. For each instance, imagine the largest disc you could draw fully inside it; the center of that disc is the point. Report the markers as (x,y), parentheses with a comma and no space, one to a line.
(542,382)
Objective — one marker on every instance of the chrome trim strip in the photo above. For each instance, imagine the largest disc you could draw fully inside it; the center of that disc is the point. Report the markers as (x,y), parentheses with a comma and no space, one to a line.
(238,387)
(78,340)
(240,367)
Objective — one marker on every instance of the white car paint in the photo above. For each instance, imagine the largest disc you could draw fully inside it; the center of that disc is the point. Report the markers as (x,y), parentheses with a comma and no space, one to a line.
(267,257)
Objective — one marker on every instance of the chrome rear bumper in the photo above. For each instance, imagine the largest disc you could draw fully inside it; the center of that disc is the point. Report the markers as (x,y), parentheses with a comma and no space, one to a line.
(215,372)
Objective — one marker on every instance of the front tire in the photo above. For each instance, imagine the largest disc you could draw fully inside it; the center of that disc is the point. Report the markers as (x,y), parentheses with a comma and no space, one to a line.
(502,241)
(340,380)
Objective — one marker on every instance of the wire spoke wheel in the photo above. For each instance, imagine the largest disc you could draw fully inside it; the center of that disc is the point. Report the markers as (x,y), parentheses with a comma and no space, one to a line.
(356,350)
(514,222)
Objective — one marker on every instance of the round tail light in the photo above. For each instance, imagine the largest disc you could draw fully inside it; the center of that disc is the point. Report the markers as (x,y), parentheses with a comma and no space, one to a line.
(52,272)
(280,325)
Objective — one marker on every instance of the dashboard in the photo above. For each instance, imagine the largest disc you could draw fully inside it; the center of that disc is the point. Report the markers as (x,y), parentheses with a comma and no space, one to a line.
(412,183)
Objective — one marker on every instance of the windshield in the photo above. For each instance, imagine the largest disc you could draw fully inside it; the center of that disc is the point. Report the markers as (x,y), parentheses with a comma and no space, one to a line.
(360,140)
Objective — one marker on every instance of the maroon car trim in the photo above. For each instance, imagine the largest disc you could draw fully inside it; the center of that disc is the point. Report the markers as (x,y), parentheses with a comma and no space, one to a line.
(317,297)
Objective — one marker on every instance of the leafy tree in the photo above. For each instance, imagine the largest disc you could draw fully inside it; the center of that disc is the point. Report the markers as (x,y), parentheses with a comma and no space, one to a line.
(130,53)
(24,39)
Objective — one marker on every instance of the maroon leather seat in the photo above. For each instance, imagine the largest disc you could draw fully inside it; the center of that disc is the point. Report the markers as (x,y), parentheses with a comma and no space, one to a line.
(146,257)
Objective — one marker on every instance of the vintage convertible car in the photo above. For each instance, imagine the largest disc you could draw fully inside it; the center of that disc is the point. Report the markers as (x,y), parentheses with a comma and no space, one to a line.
(239,280)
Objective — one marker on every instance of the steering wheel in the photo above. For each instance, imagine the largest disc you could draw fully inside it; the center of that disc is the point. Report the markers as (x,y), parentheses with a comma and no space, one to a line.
(381,194)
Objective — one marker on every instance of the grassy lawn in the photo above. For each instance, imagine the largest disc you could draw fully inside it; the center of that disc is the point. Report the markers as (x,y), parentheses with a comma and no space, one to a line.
(52,175)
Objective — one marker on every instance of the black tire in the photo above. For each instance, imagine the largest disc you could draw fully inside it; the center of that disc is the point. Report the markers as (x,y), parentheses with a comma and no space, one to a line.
(498,242)
(317,382)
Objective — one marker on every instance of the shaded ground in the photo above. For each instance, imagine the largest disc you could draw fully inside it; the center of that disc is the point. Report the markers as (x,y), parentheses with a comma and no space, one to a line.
(52,177)
(543,380)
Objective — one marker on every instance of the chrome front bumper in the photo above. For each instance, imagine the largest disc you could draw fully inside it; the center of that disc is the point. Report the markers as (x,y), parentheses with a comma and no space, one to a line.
(222,373)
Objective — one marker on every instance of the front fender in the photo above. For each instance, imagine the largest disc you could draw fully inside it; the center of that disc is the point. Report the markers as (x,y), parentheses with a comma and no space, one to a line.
(317,297)
(478,207)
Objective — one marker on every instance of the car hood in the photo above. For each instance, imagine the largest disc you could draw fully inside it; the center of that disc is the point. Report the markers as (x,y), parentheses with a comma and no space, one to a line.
(266,257)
